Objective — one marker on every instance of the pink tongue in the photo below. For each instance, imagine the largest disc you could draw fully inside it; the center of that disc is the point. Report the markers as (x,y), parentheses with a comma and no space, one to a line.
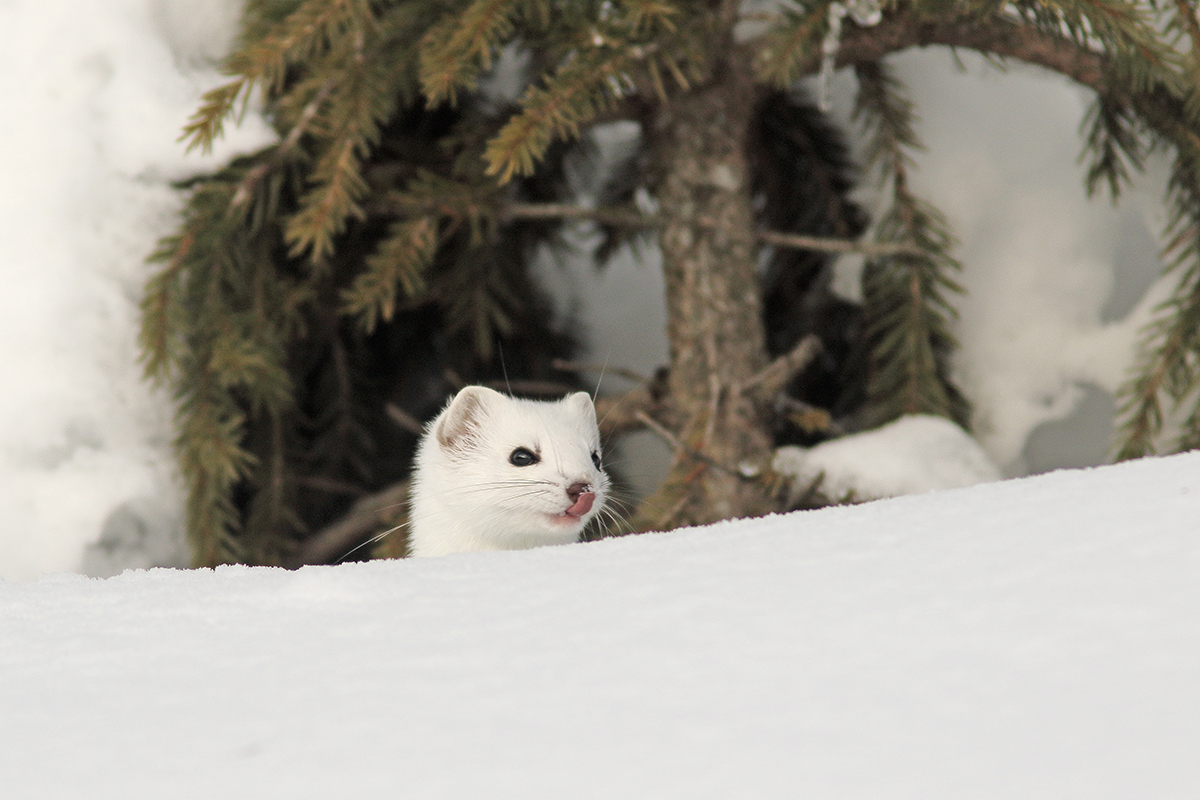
(583,505)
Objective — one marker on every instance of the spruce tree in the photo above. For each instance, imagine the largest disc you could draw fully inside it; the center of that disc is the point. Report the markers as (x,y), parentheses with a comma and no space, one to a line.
(344,279)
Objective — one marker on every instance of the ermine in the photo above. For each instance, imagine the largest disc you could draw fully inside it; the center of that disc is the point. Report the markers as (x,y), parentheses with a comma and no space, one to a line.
(498,473)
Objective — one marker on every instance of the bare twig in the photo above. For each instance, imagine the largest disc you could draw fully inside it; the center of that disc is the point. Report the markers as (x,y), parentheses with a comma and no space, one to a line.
(627,218)
(608,369)
(673,441)
(770,381)
(618,414)
(246,185)
(364,518)
(618,217)
(797,241)
(404,419)
(808,417)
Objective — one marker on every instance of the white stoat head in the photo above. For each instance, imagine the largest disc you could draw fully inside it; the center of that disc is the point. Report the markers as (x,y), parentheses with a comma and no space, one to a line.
(498,473)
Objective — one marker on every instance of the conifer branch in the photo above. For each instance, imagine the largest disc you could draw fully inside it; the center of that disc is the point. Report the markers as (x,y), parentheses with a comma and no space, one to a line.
(1143,406)
(285,149)
(239,327)
(1113,143)
(458,49)
(1171,344)
(904,301)
(398,266)
(787,51)
(315,24)
(994,35)
(349,126)
(590,82)
(570,98)
(160,308)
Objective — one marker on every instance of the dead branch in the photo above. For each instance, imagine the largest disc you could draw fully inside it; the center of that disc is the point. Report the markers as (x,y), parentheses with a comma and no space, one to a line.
(618,217)
(625,218)
(807,417)
(603,369)
(366,517)
(798,241)
(770,382)
(1007,38)
(405,420)
(618,414)
(675,444)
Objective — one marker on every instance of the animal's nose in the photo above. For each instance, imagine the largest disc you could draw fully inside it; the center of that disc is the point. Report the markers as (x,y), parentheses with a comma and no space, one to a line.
(576,489)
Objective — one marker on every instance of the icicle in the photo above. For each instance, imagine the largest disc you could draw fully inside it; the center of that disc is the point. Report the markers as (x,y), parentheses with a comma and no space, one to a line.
(829,48)
(865,13)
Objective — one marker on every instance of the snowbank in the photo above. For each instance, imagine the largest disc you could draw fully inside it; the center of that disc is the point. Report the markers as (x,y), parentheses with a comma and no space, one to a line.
(912,455)
(1034,638)
(95,95)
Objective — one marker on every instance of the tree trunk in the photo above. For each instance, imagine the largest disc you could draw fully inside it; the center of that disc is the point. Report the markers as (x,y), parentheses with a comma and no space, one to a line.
(714,314)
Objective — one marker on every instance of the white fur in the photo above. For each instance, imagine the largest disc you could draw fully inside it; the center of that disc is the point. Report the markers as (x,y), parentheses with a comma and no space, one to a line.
(467,495)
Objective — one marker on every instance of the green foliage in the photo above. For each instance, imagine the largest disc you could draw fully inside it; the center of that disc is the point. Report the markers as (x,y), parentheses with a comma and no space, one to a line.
(1114,144)
(790,45)
(906,306)
(1168,369)
(1167,116)
(354,264)
(396,269)
(605,58)
(215,320)
(463,45)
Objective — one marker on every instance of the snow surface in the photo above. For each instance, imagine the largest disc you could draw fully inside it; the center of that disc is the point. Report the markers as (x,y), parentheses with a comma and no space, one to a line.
(914,454)
(1034,638)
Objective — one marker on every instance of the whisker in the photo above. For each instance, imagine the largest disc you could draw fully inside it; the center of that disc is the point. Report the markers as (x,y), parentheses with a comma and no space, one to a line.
(600,380)
(371,541)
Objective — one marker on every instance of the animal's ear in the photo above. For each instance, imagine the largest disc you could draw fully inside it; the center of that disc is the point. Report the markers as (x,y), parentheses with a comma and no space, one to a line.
(464,416)
(581,403)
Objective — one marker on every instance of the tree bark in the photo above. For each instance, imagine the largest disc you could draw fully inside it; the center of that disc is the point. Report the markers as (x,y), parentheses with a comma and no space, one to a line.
(714,314)
(717,409)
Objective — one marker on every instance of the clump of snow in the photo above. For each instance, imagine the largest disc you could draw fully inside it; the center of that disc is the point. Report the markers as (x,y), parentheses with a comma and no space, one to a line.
(914,454)
(1052,277)
(1058,286)
(1033,638)
(95,97)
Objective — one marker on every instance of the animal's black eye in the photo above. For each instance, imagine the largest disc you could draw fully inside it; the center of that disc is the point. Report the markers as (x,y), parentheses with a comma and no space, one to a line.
(522,457)
(596,459)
